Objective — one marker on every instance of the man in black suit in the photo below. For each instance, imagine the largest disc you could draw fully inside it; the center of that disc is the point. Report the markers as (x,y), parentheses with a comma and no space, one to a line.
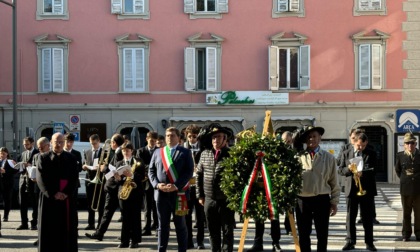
(354,194)
(170,170)
(407,167)
(111,188)
(90,156)
(145,154)
(27,186)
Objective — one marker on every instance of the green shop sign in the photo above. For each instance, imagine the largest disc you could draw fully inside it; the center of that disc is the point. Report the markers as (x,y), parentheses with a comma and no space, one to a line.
(247,98)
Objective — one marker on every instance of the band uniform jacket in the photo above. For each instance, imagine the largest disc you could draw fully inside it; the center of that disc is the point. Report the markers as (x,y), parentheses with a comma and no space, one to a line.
(78,157)
(112,184)
(27,157)
(408,170)
(183,163)
(367,179)
(209,174)
(138,176)
(145,155)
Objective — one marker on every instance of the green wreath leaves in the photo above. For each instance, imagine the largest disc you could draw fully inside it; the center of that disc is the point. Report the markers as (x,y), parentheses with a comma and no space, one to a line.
(284,169)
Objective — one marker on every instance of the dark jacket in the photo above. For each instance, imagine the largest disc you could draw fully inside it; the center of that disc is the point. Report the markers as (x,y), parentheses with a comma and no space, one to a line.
(408,171)
(367,179)
(138,176)
(209,175)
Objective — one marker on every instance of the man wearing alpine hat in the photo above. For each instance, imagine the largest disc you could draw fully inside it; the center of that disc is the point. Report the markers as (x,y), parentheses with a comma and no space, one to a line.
(320,191)
(219,217)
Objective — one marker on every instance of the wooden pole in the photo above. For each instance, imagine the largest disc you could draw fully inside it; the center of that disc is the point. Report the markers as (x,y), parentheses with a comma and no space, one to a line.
(294,233)
(243,235)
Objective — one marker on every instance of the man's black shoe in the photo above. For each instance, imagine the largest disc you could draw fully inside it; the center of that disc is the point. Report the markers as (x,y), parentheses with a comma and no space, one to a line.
(90,227)
(256,248)
(123,245)
(5,219)
(146,233)
(134,245)
(22,227)
(375,221)
(370,247)
(190,246)
(201,246)
(276,248)
(94,236)
(348,246)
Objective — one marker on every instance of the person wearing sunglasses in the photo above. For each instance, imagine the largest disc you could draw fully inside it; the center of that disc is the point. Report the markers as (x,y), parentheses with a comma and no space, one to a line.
(407,167)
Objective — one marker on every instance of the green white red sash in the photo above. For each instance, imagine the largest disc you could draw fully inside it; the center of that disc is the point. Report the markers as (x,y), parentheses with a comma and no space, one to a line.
(260,165)
(181,207)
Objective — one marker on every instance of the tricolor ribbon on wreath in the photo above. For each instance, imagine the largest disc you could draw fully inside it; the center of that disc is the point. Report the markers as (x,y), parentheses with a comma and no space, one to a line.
(181,207)
(260,166)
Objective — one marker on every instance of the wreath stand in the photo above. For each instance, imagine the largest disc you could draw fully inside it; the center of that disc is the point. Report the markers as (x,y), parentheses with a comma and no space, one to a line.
(268,129)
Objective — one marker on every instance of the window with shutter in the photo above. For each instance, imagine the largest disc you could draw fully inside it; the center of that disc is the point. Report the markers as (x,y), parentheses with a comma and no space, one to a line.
(206,8)
(133,69)
(287,8)
(130,9)
(202,63)
(133,56)
(52,70)
(369,7)
(370,66)
(52,9)
(289,61)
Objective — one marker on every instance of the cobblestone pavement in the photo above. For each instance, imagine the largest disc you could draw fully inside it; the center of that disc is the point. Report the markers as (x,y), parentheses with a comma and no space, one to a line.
(388,207)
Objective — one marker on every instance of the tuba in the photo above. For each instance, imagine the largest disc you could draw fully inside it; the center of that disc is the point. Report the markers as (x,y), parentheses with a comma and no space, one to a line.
(357,180)
(129,184)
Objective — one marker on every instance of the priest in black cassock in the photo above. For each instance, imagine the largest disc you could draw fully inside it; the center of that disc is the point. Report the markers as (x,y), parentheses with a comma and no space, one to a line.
(57,178)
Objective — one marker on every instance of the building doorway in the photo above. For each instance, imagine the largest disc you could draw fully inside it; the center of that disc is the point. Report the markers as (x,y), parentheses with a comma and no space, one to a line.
(378,141)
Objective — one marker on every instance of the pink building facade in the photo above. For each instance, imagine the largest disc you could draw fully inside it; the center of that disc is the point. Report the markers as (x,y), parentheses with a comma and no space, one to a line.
(108,66)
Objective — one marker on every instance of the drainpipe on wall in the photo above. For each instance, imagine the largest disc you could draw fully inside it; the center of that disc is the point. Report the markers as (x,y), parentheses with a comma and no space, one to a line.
(2,127)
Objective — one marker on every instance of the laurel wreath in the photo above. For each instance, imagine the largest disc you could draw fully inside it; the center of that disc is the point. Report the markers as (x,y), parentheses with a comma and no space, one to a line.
(284,169)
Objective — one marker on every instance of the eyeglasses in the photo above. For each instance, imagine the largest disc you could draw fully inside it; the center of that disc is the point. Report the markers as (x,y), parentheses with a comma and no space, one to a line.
(408,143)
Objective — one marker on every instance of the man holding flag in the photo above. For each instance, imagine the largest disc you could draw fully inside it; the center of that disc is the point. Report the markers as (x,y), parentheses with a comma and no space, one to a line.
(170,171)
(219,217)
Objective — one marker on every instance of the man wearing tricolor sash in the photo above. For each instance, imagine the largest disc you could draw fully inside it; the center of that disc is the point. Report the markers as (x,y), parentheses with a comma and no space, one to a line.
(219,217)
(170,170)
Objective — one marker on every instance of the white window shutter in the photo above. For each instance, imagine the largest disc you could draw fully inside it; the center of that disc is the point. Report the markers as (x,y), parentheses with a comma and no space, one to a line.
(138,6)
(58,70)
(282,5)
(46,70)
(211,71)
(294,5)
(273,71)
(128,82)
(57,7)
(222,6)
(116,6)
(364,66)
(376,66)
(376,4)
(189,68)
(189,6)
(139,68)
(304,67)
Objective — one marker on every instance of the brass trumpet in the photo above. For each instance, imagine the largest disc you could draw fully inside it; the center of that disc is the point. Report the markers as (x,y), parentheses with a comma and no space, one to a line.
(356,178)
(99,178)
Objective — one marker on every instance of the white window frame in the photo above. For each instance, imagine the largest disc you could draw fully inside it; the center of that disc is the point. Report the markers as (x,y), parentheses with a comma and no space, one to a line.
(366,8)
(140,44)
(280,42)
(118,8)
(213,63)
(57,5)
(190,7)
(57,71)
(293,8)
(370,60)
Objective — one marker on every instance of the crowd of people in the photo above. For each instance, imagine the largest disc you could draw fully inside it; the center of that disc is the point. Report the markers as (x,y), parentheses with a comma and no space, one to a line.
(180,175)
